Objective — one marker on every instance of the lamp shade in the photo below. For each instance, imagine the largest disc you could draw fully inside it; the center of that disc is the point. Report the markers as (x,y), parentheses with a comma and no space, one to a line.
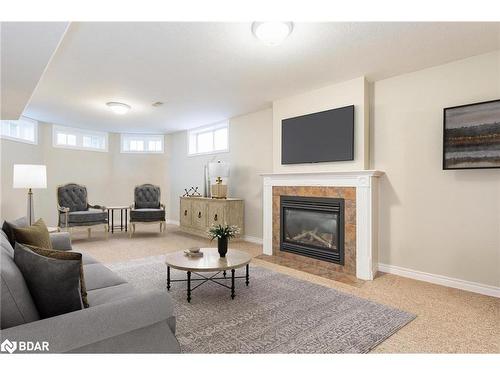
(219,169)
(30,176)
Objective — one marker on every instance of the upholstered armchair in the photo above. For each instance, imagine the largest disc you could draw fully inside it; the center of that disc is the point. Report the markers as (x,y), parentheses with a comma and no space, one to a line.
(74,209)
(147,207)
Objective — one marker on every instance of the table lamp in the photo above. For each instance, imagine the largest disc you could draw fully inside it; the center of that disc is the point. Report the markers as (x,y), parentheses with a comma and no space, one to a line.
(30,176)
(218,171)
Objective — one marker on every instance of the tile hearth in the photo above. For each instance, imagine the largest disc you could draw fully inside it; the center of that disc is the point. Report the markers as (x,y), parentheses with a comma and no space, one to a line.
(349,195)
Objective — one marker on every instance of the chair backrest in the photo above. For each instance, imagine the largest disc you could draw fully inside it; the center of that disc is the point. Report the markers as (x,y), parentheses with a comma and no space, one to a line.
(73,196)
(147,196)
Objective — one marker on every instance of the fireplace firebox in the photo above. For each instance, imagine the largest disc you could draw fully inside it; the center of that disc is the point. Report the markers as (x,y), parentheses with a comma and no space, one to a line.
(313,227)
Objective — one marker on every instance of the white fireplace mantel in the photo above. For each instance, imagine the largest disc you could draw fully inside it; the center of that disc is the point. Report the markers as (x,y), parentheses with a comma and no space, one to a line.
(364,181)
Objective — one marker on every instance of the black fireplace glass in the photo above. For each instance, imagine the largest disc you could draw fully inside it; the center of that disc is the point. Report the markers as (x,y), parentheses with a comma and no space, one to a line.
(311,228)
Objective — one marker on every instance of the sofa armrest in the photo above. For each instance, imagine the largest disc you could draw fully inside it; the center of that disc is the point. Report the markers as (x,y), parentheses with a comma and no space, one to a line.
(61,241)
(88,326)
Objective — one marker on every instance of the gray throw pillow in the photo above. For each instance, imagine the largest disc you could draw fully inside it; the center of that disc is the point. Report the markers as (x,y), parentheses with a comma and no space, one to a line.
(8,228)
(53,283)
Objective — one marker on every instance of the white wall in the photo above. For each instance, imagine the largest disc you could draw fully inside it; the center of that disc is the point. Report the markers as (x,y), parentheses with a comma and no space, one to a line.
(250,154)
(110,177)
(13,201)
(441,222)
(353,92)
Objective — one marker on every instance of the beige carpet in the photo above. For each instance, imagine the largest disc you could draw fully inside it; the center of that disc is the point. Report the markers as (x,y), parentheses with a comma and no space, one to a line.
(448,320)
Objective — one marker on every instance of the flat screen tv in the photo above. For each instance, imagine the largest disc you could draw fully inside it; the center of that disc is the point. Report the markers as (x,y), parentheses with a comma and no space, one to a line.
(318,137)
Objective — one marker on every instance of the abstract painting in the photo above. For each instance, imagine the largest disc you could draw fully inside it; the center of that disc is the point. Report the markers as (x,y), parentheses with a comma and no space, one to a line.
(472,136)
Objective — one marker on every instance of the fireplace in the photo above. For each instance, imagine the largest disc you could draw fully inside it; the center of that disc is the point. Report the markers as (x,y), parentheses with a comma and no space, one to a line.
(313,227)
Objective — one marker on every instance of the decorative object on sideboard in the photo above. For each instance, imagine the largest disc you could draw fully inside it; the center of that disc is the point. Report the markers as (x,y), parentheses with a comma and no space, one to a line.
(471,136)
(206,182)
(30,176)
(223,233)
(218,171)
(192,192)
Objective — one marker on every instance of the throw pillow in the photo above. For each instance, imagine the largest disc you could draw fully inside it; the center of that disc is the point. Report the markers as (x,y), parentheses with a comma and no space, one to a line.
(8,228)
(53,283)
(64,255)
(35,235)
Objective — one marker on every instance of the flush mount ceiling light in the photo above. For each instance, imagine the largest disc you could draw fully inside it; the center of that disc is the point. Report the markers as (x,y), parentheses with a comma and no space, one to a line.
(272,33)
(118,108)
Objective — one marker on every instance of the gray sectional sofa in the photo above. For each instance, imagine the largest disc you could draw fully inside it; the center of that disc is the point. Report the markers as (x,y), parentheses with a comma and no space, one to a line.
(120,319)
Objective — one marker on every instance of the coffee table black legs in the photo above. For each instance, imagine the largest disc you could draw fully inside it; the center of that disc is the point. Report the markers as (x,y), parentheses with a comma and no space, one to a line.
(168,277)
(224,274)
(247,276)
(213,278)
(189,286)
(232,284)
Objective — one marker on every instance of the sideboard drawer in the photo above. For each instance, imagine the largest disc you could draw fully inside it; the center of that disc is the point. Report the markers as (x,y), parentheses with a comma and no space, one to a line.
(216,213)
(186,213)
(199,214)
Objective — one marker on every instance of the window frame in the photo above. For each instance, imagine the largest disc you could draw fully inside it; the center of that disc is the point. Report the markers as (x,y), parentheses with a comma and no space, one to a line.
(208,129)
(145,138)
(79,135)
(18,139)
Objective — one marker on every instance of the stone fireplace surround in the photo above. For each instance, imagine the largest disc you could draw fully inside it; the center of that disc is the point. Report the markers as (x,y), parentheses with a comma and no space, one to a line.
(358,188)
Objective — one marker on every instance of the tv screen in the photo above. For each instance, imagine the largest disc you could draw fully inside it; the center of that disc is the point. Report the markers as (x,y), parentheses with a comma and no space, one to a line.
(318,137)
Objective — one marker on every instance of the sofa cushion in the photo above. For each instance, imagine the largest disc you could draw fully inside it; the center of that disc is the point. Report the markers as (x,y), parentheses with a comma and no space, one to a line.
(72,196)
(17,306)
(8,228)
(110,294)
(147,214)
(65,255)
(90,216)
(87,259)
(147,196)
(36,235)
(98,276)
(54,284)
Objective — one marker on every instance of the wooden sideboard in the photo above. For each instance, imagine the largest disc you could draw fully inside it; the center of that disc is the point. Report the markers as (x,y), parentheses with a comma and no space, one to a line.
(197,214)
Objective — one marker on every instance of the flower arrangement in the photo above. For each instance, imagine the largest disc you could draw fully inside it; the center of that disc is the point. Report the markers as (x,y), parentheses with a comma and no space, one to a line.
(223,231)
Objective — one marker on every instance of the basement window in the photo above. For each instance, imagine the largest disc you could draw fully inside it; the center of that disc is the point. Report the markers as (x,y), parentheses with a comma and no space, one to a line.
(22,130)
(211,139)
(79,139)
(142,143)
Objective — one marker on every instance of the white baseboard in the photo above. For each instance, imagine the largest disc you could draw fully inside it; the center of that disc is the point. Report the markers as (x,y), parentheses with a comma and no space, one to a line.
(451,282)
(173,222)
(253,239)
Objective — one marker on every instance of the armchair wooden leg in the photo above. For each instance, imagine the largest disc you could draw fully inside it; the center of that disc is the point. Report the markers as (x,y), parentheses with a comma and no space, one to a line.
(88,232)
(106,230)
(132,229)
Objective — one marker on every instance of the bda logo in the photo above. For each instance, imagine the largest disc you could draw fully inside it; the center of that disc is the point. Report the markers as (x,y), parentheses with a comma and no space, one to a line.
(8,346)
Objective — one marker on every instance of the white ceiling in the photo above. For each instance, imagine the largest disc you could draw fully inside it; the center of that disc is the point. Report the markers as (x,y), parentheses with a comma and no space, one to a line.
(26,49)
(207,72)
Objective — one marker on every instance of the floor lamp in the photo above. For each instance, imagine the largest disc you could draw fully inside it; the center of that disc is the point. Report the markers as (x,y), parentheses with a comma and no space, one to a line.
(29,176)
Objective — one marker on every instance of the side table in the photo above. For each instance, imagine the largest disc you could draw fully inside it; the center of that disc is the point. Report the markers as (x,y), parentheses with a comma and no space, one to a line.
(111,217)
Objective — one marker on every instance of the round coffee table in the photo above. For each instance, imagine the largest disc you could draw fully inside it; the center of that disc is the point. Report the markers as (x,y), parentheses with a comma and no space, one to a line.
(209,262)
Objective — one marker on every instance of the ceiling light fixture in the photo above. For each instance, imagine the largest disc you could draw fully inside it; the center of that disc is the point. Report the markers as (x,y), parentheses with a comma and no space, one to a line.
(118,108)
(272,33)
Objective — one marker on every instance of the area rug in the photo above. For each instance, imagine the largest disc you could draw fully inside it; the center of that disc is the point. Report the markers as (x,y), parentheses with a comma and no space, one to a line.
(276,313)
